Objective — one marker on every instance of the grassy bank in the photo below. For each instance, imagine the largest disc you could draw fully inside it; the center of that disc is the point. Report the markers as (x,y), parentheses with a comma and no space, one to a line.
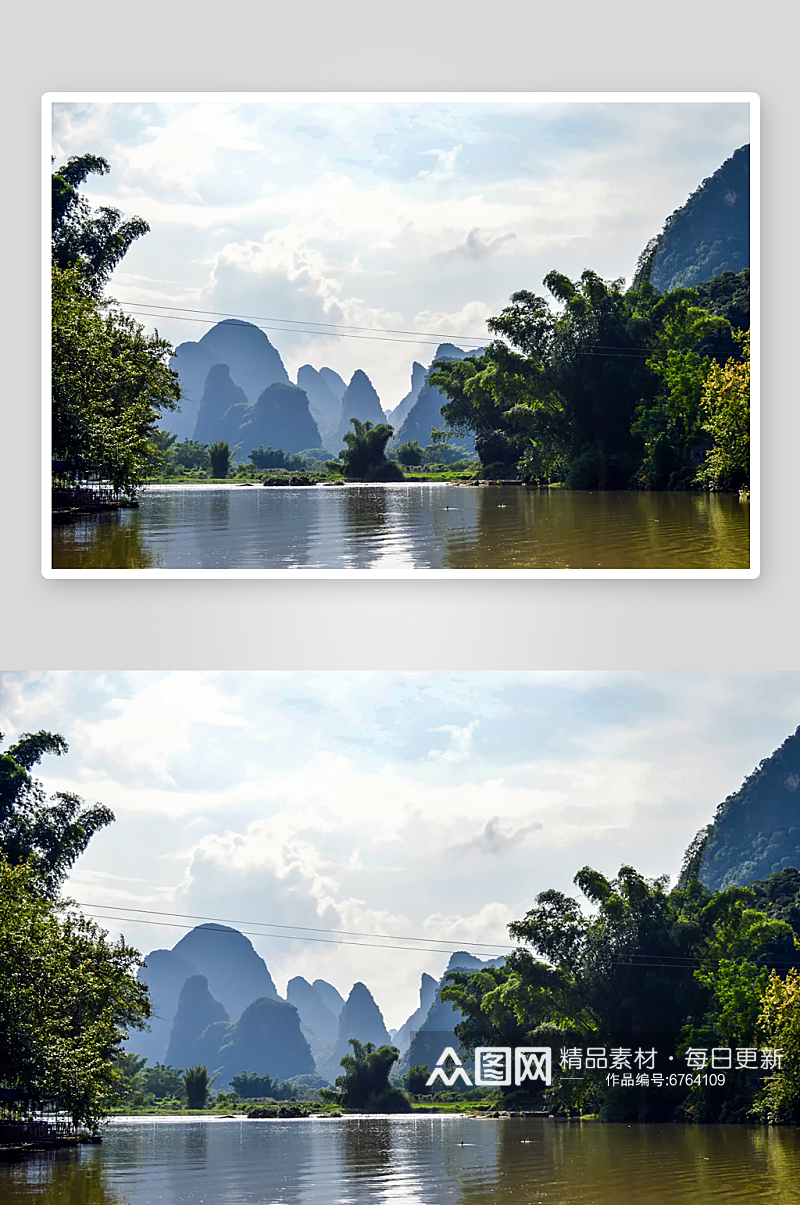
(296,477)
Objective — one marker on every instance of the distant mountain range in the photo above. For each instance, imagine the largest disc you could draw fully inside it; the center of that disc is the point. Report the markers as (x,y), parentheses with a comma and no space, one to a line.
(214,1002)
(235,387)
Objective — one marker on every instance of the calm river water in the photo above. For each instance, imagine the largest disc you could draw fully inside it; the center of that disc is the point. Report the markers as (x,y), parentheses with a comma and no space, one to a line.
(402,527)
(415,1161)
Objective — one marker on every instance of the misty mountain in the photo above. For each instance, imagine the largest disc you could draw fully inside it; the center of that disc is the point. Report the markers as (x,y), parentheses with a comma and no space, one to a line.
(236,974)
(397,416)
(756,830)
(221,407)
(360,1018)
(333,381)
(324,404)
(316,1018)
(710,233)
(252,360)
(427,994)
(359,401)
(426,411)
(279,419)
(437,1030)
(165,973)
(329,996)
(266,1040)
(197,1009)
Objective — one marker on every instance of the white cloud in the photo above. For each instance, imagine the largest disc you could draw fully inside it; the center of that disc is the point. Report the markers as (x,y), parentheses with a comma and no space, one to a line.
(460,747)
(175,156)
(445,168)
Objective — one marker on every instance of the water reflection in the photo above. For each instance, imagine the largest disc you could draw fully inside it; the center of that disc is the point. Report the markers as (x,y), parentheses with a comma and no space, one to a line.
(103,542)
(423,1159)
(411,526)
(58,1176)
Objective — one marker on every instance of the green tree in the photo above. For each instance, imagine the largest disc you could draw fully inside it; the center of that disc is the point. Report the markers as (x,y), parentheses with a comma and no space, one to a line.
(275,458)
(48,834)
(190,454)
(68,996)
(678,968)
(90,242)
(220,456)
(599,386)
(416,1079)
(503,398)
(162,1081)
(250,1086)
(162,450)
(131,1071)
(197,1085)
(779,1025)
(364,457)
(110,384)
(725,406)
(409,453)
(365,1082)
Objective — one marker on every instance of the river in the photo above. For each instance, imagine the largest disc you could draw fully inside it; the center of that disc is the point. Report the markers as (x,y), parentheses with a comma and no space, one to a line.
(421,1160)
(390,529)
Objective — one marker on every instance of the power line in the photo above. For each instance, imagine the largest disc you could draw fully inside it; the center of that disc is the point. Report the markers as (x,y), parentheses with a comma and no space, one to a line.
(287,331)
(597,350)
(364,945)
(299,322)
(658,962)
(493,945)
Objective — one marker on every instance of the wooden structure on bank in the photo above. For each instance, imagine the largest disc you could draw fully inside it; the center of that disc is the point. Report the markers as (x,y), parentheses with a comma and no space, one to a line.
(26,1127)
(83,493)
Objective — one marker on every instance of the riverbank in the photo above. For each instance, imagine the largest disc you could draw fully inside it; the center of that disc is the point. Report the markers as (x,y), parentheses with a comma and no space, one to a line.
(309,477)
(14,1152)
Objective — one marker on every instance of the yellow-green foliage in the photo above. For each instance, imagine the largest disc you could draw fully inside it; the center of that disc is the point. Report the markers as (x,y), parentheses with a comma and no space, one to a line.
(779,1022)
(726,409)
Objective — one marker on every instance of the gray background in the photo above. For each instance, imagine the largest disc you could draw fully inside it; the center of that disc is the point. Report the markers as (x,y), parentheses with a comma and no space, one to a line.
(447,45)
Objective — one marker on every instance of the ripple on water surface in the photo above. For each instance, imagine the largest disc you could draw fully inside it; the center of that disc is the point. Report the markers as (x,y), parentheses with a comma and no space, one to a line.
(422,1159)
(404,527)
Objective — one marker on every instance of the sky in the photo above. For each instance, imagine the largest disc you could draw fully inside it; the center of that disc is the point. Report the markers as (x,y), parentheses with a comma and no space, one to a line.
(408,814)
(420,217)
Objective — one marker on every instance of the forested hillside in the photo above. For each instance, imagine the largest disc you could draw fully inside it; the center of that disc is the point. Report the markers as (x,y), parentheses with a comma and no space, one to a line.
(756,831)
(710,234)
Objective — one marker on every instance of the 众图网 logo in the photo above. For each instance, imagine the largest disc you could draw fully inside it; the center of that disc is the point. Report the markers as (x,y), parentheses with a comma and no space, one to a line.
(495,1067)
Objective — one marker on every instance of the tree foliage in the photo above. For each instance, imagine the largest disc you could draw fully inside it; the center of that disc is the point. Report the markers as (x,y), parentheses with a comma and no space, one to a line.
(596,386)
(779,1023)
(47,834)
(197,1085)
(275,458)
(645,964)
(725,405)
(111,382)
(409,453)
(220,456)
(90,242)
(365,1081)
(364,457)
(67,998)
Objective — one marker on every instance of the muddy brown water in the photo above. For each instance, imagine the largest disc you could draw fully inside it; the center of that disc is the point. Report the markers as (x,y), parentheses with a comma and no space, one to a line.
(420,1160)
(411,526)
